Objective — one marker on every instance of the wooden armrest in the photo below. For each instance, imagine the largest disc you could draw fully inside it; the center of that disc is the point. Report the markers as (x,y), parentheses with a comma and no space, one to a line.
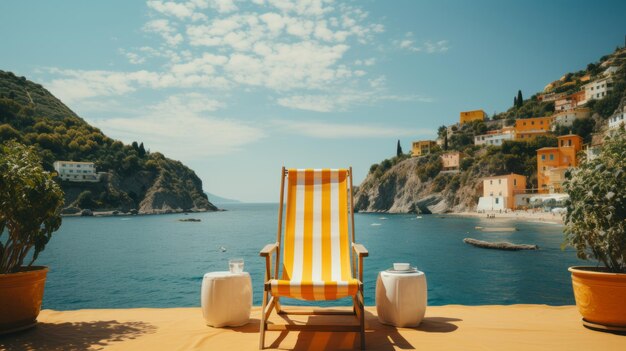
(268,249)
(360,250)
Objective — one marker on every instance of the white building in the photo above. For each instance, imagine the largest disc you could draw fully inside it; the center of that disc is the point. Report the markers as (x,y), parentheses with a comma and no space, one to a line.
(566,118)
(618,118)
(598,88)
(493,138)
(76,171)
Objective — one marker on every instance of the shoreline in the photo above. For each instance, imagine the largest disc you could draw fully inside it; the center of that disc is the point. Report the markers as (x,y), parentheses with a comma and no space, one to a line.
(526,216)
(127,214)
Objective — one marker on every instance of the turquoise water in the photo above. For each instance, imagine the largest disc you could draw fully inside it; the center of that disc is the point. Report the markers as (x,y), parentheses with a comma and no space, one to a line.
(157,261)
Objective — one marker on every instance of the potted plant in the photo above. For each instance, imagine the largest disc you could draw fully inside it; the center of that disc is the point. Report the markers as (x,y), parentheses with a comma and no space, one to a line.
(595,225)
(30,205)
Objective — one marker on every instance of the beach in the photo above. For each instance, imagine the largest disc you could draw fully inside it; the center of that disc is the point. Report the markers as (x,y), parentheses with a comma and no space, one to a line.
(529,216)
(451,327)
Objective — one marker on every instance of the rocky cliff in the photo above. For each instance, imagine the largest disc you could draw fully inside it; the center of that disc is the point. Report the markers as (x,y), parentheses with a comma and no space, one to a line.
(400,190)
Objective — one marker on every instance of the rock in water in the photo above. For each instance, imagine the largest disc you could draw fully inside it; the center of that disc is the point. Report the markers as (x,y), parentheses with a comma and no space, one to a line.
(499,245)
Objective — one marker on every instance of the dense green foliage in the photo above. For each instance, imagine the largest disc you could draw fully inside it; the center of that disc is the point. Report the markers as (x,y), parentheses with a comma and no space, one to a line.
(30,206)
(595,223)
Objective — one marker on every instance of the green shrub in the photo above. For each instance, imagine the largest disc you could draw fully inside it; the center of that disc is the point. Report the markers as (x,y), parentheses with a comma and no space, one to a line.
(595,223)
(30,206)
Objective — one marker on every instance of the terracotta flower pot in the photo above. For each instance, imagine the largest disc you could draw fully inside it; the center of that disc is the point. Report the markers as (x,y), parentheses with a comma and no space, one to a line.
(600,296)
(20,298)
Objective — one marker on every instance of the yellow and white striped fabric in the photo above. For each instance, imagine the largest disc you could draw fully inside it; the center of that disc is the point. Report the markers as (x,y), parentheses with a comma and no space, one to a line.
(316,247)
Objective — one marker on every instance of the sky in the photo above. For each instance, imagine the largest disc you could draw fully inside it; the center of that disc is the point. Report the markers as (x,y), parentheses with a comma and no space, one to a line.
(238,89)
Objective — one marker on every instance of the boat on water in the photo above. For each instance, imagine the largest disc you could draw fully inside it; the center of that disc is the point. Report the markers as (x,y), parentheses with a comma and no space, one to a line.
(222,248)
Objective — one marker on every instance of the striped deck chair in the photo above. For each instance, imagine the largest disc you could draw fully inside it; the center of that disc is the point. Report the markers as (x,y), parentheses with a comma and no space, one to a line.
(316,260)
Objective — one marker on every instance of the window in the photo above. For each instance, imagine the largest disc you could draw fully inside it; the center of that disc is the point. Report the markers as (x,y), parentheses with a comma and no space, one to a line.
(514,181)
(533,122)
(491,182)
(497,200)
(551,157)
(499,181)
(569,142)
(543,157)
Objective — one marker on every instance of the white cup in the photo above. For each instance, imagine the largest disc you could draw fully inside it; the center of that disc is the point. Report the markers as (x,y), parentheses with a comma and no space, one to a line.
(235,265)
(401,266)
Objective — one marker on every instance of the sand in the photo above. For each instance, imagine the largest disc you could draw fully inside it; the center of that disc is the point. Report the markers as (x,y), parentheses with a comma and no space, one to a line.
(527,216)
(452,327)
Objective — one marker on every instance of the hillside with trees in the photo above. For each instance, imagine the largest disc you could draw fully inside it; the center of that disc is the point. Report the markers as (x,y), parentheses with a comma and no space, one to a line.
(417,184)
(134,179)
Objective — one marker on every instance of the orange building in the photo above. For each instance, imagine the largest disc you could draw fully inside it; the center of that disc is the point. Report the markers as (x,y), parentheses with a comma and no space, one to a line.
(499,192)
(552,162)
(529,128)
(469,116)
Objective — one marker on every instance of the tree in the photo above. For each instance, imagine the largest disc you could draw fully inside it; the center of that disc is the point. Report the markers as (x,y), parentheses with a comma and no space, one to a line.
(142,150)
(135,146)
(30,206)
(398,149)
(520,99)
(515,101)
(85,200)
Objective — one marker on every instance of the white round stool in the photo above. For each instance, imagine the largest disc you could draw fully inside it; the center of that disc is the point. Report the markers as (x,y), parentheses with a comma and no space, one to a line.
(226,299)
(401,298)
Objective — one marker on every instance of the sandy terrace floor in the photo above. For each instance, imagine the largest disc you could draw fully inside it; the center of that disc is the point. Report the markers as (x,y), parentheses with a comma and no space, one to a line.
(453,327)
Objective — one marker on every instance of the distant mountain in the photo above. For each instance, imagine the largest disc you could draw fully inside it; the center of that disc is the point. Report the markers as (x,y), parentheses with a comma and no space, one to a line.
(131,179)
(221,200)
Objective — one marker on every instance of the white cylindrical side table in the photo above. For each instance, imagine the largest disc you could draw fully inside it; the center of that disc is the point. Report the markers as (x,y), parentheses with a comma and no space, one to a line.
(401,298)
(226,299)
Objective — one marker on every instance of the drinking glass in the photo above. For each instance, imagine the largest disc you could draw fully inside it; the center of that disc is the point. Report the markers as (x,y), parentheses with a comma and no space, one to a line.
(235,265)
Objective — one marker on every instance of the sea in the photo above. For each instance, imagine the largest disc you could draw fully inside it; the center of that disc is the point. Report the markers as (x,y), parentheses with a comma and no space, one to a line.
(159,261)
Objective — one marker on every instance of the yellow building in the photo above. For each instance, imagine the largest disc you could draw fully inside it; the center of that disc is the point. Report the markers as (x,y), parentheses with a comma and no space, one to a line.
(552,162)
(469,116)
(499,192)
(422,147)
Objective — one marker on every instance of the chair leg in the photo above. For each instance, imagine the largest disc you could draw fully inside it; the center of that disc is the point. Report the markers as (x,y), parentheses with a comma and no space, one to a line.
(277,305)
(263,322)
(362,321)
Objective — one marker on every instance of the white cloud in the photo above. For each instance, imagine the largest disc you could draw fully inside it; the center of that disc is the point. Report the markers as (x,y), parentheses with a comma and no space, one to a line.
(326,130)
(170,126)
(165,29)
(300,47)
(344,100)
(428,46)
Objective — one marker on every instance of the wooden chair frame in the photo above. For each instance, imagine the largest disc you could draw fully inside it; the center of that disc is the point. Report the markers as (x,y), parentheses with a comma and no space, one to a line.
(271,302)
